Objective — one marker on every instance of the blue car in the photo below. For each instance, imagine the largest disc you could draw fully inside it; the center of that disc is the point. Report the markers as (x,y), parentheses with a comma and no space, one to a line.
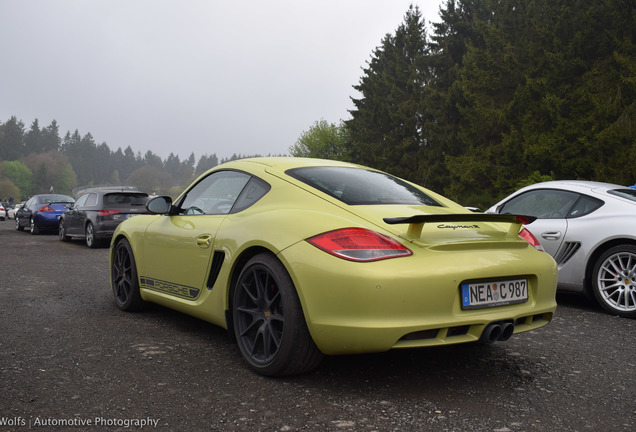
(42,212)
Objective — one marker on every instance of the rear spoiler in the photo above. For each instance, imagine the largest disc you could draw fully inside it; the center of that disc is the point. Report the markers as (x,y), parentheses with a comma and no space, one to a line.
(416,223)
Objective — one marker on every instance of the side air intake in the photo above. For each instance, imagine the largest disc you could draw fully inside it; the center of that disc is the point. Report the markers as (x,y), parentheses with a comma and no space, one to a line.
(215,269)
(567,251)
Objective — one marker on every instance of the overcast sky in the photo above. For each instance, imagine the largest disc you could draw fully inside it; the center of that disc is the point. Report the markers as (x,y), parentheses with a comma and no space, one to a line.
(190,76)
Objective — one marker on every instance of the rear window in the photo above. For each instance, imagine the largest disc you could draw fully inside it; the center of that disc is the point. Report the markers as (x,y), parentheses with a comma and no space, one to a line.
(626,193)
(51,199)
(356,186)
(125,199)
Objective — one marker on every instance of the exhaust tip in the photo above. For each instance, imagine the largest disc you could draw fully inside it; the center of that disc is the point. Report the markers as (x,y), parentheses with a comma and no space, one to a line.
(507,329)
(491,333)
(497,331)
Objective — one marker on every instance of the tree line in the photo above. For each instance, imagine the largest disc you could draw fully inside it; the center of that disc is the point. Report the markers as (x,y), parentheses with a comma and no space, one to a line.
(496,95)
(37,160)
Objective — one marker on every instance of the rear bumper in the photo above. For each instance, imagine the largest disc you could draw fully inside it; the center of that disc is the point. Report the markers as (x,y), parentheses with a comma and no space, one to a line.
(105,226)
(378,339)
(105,230)
(413,301)
(47,221)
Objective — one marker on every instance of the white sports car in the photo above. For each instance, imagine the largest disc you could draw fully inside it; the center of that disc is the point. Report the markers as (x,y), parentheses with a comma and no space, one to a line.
(590,230)
(11,212)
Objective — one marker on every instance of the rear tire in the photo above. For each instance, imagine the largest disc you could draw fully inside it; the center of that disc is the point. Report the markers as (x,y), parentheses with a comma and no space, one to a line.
(614,281)
(268,320)
(124,280)
(34,228)
(62,232)
(89,235)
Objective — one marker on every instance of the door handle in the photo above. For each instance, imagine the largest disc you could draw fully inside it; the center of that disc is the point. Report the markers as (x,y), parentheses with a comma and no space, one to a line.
(204,241)
(551,235)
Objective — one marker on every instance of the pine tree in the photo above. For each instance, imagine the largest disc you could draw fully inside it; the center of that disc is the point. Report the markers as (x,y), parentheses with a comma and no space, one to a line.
(387,125)
(33,139)
(492,70)
(12,139)
(50,138)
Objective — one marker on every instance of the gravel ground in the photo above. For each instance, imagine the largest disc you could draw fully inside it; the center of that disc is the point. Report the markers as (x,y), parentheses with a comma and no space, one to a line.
(69,360)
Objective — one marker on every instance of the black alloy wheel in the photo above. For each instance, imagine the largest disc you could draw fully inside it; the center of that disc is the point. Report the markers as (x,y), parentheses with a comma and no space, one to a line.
(268,320)
(124,280)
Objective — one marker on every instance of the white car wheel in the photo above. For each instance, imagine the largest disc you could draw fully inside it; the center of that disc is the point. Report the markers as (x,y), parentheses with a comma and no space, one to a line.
(614,281)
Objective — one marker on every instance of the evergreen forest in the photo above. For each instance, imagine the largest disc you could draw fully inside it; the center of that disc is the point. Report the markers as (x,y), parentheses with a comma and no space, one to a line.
(487,97)
(496,95)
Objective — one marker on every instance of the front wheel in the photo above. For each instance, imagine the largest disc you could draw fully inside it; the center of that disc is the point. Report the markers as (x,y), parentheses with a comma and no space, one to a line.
(268,320)
(124,280)
(18,227)
(614,281)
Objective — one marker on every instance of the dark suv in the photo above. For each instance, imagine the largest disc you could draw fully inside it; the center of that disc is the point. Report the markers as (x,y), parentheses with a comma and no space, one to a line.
(96,214)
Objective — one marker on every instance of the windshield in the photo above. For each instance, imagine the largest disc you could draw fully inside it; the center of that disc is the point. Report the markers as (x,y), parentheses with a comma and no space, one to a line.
(355,186)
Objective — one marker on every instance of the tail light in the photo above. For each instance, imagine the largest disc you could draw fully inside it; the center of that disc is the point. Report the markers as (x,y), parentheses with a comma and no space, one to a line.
(358,244)
(530,238)
(46,208)
(107,212)
(525,220)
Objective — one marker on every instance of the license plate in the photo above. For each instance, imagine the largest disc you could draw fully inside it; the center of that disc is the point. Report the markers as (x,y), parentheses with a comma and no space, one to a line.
(486,294)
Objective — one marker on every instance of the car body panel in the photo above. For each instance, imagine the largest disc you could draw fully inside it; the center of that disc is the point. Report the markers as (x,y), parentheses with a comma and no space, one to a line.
(189,237)
(349,307)
(582,239)
(550,232)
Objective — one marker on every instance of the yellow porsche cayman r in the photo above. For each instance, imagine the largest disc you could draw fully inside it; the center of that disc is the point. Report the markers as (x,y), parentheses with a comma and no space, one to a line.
(298,258)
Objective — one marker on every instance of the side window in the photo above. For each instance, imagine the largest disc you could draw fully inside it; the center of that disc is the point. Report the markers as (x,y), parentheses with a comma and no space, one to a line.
(541,203)
(215,194)
(585,205)
(81,201)
(91,200)
(255,190)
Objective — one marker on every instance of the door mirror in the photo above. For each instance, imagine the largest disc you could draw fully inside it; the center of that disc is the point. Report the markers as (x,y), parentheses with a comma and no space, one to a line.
(159,205)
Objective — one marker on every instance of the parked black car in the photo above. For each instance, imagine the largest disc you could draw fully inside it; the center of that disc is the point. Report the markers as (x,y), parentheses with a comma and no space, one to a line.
(96,214)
